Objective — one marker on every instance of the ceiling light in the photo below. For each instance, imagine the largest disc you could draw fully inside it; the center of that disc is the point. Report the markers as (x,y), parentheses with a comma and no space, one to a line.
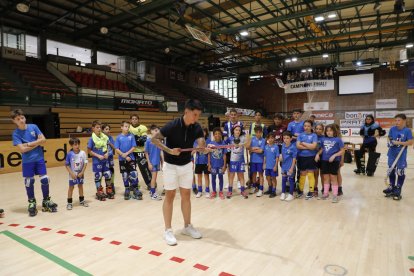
(244,33)
(409,45)
(310,70)
(23,6)
(303,70)
(103,30)
(377,6)
(167,50)
(358,63)
(319,18)
(325,55)
(294,59)
(332,15)
(288,60)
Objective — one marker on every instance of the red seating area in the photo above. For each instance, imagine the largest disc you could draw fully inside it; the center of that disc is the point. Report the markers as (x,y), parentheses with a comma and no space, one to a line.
(97,81)
(34,72)
(6,86)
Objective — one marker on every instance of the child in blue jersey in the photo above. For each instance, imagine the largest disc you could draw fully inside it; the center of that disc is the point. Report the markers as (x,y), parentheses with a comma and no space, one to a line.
(270,164)
(125,146)
(237,162)
(217,162)
(306,144)
(257,146)
(330,153)
(76,162)
(29,139)
(288,165)
(296,126)
(154,157)
(98,149)
(201,167)
(399,138)
(319,131)
(106,129)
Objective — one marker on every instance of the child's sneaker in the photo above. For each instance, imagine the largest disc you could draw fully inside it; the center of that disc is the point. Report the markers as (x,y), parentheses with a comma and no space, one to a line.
(69,206)
(335,199)
(324,197)
(207,195)
(309,195)
(192,232)
(229,195)
(195,190)
(253,190)
(388,191)
(272,195)
(198,195)
(340,193)
(315,194)
(213,195)
(156,196)
(244,194)
(259,193)
(221,195)
(289,197)
(396,197)
(299,194)
(84,204)
(283,196)
(169,237)
(268,192)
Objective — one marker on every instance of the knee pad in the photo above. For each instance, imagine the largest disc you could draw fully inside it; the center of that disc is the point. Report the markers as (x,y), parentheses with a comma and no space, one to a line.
(133,177)
(29,182)
(401,172)
(98,176)
(107,175)
(125,176)
(44,179)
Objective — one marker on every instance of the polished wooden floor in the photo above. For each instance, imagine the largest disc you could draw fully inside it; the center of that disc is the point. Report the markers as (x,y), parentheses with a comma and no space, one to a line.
(364,234)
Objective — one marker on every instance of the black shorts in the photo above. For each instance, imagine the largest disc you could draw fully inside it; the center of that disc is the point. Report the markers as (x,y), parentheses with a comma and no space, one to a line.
(127,166)
(319,164)
(228,157)
(330,167)
(306,163)
(201,169)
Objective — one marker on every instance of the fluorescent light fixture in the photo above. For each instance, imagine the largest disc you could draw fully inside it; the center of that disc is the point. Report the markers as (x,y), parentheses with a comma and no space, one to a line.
(325,55)
(332,15)
(310,70)
(358,63)
(409,45)
(319,18)
(103,30)
(303,70)
(288,60)
(294,59)
(404,61)
(244,33)
(23,6)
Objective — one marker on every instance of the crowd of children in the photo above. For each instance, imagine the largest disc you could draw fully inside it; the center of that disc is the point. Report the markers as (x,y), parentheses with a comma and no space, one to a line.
(302,151)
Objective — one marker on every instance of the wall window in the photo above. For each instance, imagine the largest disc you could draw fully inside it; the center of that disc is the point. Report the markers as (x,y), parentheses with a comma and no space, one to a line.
(226,88)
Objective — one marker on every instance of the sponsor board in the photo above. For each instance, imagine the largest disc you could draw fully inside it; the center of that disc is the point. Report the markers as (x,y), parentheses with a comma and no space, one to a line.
(385,114)
(136,104)
(385,103)
(351,123)
(350,132)
(357,115)
(311,85)
(325,122)
(323,115)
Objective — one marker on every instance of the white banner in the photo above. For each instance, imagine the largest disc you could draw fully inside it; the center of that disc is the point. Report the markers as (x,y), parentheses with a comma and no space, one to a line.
(13,53)
(350,131)
(242,111)
(386,103)
(325,122)
(358,115)
(323,115)
(316,106)
(385,114)
(408,113)
(171,106)
(351,123)
(310,85)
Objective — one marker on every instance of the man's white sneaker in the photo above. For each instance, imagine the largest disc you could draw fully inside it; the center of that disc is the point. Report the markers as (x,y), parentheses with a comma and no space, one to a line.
(169,237)
(207,195)
(259,193)
(283,196)
(191,231)
(198,195)
(289,197)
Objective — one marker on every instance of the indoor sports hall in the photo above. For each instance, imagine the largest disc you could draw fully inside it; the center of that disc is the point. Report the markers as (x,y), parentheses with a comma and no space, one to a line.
(216,137)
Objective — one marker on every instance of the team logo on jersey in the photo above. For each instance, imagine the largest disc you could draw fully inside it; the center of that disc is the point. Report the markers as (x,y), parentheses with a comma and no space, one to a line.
(33,133)
(328,145)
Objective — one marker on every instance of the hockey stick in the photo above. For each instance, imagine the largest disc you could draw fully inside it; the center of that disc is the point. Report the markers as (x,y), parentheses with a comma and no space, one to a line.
(393,165)
(215,147)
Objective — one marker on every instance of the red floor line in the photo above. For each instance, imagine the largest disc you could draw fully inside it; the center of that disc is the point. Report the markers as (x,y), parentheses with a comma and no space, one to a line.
(97,238)
(134,247)
(155,253)
(201,267)
(79,235)
(45,229)
(63,232)
(14,225)
(30,226)
(115,242)
(177,259)
(225,274)
(412,270)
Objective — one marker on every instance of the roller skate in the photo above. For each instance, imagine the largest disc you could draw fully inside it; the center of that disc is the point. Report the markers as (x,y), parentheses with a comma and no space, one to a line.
(100,195)
(113,188)
(388,192)
(32,207)
(127,194)
(49,206)
(136,194)
(1,213)
(109,192)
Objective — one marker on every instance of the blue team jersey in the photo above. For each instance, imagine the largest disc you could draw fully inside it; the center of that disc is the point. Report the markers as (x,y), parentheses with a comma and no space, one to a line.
(76,161)
(228,127)
(236,153)
(307,138)
(320,140)
(110,150)
(367,138)
(330,146)
(260,143)
(402,135)
(201,158)
(271,153)
(30,134)
(217,156)
(296,127)
(288,154)
(124,143)
(154,153)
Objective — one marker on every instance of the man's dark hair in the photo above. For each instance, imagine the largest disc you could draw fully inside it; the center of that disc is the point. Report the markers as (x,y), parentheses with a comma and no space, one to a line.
(15,113)
(258,111)
(278,116)
(217,129)
(287,133)
(193,104)
(401,116)
(297,110)
(258,128)
(74,140)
